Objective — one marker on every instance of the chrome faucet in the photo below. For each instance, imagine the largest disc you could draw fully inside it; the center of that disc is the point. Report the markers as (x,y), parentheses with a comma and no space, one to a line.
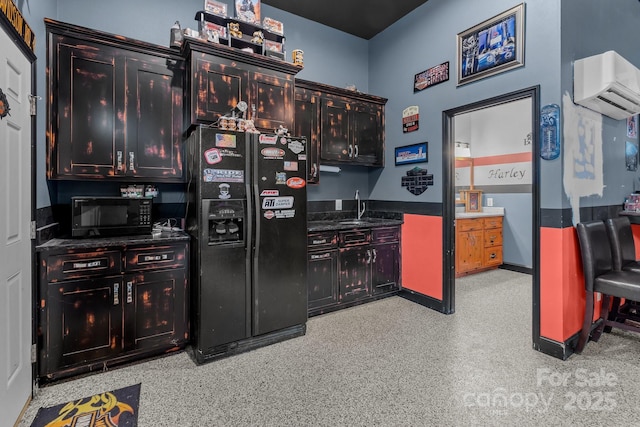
(360,212)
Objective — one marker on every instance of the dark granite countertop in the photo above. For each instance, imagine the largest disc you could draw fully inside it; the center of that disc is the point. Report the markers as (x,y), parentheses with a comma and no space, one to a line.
(92,242)
(327,221)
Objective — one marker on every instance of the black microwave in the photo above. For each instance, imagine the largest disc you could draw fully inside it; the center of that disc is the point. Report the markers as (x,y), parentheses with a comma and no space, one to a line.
(110,216)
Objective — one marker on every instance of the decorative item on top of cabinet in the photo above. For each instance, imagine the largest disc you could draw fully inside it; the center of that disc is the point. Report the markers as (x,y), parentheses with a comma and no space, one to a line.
(104,305)
(351,125)
(115,107)
(478,244)
(219,77)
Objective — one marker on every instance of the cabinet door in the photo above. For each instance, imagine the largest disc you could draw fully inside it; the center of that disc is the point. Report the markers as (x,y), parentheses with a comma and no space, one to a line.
(155,309)
(307,124)
(335,131)
(217,88)
(368,144)
(385,268)
(469,250)
(322,279)
(355,273)
(87,97)
(271,101)
(84,322)
(154,118)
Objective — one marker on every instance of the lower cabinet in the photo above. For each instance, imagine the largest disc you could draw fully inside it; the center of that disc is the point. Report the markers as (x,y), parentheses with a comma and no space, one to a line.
(100,306)
(385,261)
(478,244)
(322,271)
(352,266)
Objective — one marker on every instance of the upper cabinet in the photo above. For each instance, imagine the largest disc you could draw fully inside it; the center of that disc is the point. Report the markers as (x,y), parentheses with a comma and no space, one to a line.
(115,107)
(350,124)
(219,77)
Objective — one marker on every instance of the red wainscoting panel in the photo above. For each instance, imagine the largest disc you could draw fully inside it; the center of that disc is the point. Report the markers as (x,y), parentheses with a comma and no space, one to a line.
(562,296)
(635,229)
(422,255)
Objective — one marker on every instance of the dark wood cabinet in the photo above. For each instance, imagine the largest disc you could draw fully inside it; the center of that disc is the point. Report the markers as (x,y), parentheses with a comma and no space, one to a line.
(348,267)
(385,260)
(322,273)
(354,272)
(105,305)
(350,124)
(87,321)
(116,107)
(219,77)
(307,124)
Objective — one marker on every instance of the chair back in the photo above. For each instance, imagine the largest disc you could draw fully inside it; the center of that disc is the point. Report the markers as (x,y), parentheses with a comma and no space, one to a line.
(623,249)
(595,251)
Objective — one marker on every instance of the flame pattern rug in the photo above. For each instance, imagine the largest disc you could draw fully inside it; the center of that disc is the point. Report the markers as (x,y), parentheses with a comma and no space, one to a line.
(117,408)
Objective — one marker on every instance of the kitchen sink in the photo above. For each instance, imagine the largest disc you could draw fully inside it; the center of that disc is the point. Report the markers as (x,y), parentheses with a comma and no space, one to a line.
(358,221)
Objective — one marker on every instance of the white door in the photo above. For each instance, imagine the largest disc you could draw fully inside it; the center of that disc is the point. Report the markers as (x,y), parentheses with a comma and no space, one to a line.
(15,243)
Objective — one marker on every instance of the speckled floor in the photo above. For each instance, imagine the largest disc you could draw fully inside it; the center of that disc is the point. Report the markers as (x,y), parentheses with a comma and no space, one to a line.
(392,363)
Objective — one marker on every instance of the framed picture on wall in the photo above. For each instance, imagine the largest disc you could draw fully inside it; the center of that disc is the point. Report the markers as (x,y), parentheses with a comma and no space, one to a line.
(472,200)
(491,47)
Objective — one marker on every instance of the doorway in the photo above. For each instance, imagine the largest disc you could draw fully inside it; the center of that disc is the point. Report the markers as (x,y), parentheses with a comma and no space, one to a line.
(479,182)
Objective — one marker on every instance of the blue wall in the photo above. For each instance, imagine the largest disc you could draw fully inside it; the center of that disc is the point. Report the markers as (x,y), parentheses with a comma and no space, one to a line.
(590,27)
(330,57)
(385,66)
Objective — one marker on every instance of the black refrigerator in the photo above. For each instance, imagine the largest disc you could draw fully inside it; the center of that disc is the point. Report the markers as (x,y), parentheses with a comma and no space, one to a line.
(247,216)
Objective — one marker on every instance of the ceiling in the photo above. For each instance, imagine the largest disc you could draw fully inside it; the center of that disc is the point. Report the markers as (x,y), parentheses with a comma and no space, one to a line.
(362,18)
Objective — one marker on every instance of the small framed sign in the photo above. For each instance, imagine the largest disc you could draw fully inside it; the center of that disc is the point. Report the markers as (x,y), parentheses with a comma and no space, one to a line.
(416,153)
(431,77)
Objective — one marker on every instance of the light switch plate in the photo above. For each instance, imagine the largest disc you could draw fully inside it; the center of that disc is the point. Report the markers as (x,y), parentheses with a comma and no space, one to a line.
(338,204)
(489,201)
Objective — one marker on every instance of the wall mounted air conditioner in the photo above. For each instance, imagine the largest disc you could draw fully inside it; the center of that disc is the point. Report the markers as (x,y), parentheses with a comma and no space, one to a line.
(607,83)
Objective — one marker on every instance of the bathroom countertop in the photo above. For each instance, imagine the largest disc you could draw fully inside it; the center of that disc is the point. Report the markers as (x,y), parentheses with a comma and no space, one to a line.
(486,212)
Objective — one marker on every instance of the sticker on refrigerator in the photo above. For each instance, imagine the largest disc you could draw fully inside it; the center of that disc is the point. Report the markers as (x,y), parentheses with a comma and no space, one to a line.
(272,153)
(280,214)
(296,182)
(268,139)
(290,166)
(302,157)
(225,140)
(222,175)
(296,146)
(285,202)
(281,178)
(270,193)
(212,156)
(224,191)
(286,213)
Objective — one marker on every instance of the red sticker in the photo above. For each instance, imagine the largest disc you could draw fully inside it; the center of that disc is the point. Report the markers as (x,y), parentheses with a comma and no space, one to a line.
(269,214)
(296,182)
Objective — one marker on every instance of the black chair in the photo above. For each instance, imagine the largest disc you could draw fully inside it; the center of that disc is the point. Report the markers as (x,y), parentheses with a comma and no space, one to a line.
(599,276)
(623,251)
